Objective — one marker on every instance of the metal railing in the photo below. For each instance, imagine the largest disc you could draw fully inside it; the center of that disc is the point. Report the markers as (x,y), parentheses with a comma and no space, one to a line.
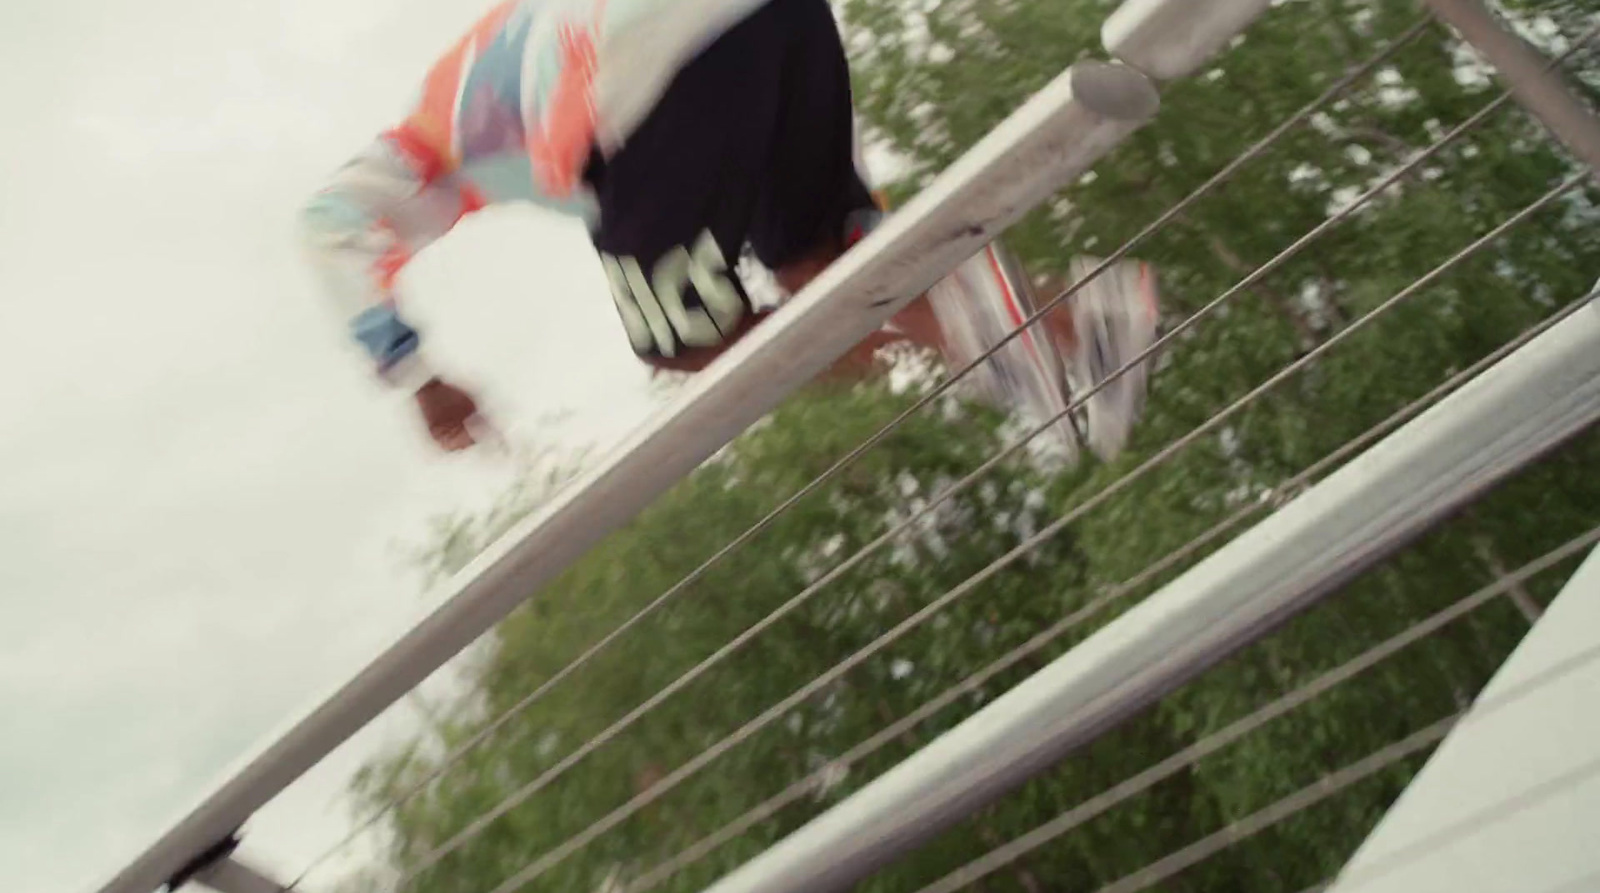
(1396,480)
(1052,139)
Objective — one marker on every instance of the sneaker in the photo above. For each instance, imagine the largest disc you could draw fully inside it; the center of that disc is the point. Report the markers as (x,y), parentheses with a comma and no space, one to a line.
(978,305)
(1116,317)
(981,302)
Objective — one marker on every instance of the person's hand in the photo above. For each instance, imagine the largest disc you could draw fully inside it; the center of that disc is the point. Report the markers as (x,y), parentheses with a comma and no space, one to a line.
(447,409)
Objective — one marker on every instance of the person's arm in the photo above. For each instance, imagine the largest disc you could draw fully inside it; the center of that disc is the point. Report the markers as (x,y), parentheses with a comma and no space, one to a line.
(356,249)
(360,230)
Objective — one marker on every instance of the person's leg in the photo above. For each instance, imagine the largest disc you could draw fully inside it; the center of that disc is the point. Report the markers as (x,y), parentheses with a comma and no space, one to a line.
(915,324)
(815,205)
(812,187)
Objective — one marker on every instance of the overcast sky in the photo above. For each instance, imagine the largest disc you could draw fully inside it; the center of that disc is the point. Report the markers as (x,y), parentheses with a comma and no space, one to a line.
(199,484)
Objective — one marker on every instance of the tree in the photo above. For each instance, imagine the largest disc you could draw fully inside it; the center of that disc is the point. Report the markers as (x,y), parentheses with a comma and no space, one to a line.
(708,509)
(931,103)
(932,78)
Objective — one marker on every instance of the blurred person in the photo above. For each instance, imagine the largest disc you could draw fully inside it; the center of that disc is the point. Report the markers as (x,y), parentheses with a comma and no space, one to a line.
(678,131)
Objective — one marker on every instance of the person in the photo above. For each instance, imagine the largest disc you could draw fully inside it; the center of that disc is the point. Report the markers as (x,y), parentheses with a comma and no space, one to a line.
(678,132)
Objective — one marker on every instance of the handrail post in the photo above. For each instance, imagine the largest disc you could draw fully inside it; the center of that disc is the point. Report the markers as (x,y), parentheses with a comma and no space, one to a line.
(1532,79)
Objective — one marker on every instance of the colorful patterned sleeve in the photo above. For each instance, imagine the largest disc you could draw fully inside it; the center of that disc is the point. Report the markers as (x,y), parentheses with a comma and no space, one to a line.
(390,202)
(511,112)
(364,226)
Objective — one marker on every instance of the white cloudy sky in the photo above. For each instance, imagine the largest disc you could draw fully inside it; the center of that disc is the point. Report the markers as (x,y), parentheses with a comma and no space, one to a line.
(199,486)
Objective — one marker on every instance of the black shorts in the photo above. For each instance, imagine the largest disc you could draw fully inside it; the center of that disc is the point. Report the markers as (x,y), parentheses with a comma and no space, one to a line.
(752,143)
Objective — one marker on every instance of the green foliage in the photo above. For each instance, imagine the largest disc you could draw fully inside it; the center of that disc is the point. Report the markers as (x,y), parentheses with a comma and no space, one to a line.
(932,78)
(664,544)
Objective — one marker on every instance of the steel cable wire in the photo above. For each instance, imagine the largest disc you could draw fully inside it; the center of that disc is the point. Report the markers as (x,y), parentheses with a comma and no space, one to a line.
(1221,177)
(543,863)
(1431,845)
(1216,741)
(938,499)
(1337,782)
(1216,181)
(817,780)
(1307,797)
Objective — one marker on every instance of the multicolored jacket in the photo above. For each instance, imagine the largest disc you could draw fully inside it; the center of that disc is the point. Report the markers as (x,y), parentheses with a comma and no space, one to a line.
(511,113)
